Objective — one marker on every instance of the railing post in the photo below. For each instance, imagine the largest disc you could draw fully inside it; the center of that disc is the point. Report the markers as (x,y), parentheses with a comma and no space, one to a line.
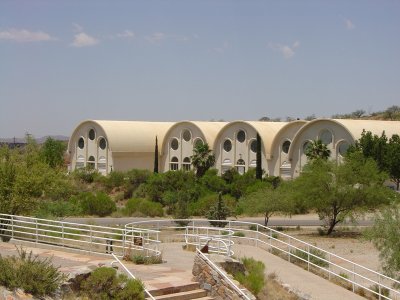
(354,277)
(230,238)
(308,257)
(62,234)
(257,237)
(12,226)
(123,241)
(36,235)
(379,287)
(329,266)
(290,249)
(90,245)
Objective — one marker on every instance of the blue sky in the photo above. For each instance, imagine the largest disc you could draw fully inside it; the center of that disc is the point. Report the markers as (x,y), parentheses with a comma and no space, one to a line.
(62,62)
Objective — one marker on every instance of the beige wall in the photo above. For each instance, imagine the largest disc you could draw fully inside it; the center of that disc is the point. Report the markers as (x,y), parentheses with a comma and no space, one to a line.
(185,148)
(225,160)
(80,157)
(313,131)
(128,161)
(280,164)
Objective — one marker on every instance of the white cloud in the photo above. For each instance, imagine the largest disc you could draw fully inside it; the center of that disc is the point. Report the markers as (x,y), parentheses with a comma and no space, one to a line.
(126,34)
(156,37)
(25,36)
(287,51)
(84,40)
(349,24)
(221,49)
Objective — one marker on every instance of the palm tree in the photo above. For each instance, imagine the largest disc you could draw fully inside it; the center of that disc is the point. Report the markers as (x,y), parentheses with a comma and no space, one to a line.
(317,149)
(202,159)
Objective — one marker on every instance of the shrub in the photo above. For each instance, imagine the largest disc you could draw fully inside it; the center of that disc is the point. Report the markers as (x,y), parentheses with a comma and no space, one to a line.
(316,257)
(103,283)
(239,234)
(87,175)
(253,279)
(384,291)
(133,289)
(253,227)
(58,209)
(144,207)
(99,204)
(27,271)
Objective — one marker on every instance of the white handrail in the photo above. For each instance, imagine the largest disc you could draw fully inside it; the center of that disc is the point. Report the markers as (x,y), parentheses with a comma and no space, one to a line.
(226,278)
(130,274)
(290,245)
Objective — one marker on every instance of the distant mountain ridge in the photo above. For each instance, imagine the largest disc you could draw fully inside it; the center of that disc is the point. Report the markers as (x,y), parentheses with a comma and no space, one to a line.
(38,140)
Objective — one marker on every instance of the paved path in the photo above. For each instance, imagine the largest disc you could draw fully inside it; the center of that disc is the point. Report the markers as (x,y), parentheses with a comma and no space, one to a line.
(178,266)
(302,281)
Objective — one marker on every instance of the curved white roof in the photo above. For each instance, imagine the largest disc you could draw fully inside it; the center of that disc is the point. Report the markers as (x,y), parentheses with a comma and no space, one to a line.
(266,130)
(209,130)
(130,136)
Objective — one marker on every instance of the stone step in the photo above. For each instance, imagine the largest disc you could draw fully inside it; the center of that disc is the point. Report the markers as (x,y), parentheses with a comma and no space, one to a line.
(175,289)
(188,295)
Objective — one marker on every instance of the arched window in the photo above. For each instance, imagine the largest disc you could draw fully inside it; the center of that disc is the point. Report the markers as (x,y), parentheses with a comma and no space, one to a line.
(241,166)
(92,134)
(81,143)
(305,146)
(326,137)
(186,135)
(186,164)
(102,165)
(174,144)
(91,164)
(102,143)
(285,147)
(343,147)
(253,146)
(226,165)
(174,164)
(80,162)
(241,136)
(198,142)
(227,145)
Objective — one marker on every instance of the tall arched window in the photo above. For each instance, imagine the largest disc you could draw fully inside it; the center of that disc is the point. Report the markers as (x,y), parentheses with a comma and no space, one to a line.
(174,164)
(186,164)
(285,147)
(241,166)
(81,143)
(91,164)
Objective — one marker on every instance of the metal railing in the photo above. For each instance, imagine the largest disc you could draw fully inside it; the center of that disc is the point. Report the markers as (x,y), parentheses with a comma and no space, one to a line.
(221,273)
(130,274)
(318,260)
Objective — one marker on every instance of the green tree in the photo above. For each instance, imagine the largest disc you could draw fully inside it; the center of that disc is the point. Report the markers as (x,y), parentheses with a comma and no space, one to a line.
(385,234)
(317,149)
(218,212)
(266,201)
(259,171)
(336,192)
(393,159)
(52,152)
(156,157)
(202,159)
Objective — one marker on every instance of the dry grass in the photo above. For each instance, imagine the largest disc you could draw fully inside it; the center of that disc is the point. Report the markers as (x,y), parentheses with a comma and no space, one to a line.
(273,290)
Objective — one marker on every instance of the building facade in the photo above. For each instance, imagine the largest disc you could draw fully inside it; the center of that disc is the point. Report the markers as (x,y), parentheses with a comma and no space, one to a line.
(123,145)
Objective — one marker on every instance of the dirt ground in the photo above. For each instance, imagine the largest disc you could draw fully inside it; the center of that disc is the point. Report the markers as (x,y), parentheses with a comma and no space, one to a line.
(347,242)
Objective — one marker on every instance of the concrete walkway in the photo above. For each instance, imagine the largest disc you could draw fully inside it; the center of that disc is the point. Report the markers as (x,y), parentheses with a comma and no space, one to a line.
(305,283)
(178,267)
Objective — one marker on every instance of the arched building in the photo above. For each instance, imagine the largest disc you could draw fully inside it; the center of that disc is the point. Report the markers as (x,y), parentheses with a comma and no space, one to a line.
(115,145)
(125,145)
(236,145)
(337,134)
(180,140)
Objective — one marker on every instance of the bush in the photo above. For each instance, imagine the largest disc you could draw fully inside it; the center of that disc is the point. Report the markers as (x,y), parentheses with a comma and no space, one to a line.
(58,209)
(87,175)
(143,207)
(35,276)
(253,279)
(105,283)
(99,204)
(315,258)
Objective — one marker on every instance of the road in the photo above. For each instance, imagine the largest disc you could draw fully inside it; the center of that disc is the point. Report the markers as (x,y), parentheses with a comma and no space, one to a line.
(299,220)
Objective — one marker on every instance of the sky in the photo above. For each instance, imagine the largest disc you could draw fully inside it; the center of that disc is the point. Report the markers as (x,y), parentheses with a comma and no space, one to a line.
(62,62)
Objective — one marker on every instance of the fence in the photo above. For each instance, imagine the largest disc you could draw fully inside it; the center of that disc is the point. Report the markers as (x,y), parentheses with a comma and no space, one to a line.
(312,258)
